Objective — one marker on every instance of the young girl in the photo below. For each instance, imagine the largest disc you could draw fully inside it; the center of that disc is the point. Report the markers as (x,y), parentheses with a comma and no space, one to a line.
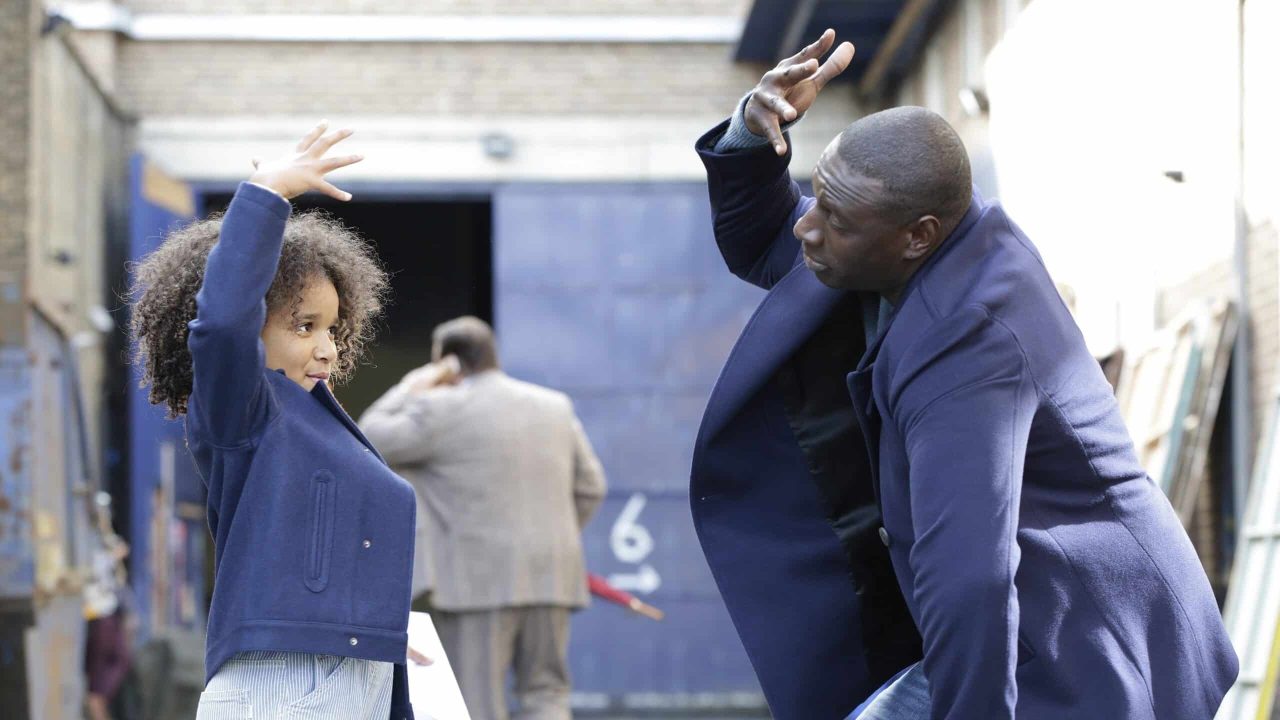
(313,534)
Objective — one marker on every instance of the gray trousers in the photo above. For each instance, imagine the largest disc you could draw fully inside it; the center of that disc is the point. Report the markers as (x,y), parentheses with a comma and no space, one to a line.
(483,645)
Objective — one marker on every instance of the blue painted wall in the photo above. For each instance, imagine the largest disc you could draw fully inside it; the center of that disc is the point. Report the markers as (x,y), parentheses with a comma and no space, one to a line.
(616,294)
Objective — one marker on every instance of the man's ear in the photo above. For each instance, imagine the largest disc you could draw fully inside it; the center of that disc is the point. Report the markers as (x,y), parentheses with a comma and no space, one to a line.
(922,237)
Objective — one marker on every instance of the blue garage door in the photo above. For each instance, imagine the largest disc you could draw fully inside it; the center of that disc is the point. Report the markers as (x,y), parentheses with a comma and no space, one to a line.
(615,294)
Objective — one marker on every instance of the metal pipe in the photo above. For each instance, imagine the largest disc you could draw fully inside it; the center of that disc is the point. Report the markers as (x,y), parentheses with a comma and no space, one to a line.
(1242,381)
(901,29)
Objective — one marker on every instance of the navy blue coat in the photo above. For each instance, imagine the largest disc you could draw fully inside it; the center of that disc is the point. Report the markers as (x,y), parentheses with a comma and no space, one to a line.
(313,533)
(1047,574)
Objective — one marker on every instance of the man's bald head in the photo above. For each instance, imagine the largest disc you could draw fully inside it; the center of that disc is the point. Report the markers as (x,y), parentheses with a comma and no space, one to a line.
(888,191)
(918,159)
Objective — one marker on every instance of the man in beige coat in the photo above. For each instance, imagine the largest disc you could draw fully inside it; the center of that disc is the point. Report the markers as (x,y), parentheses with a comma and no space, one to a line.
(506,479)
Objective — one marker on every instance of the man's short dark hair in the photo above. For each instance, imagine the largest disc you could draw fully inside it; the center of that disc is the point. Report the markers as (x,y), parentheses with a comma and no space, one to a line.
(468,338)
(919,159)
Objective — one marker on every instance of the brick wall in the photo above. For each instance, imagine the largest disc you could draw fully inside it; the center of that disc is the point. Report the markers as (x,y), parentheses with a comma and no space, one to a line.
(434,79)
(16,34)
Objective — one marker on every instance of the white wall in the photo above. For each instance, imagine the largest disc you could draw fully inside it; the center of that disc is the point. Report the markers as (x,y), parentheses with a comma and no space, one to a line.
(1262,111)
(1091,102)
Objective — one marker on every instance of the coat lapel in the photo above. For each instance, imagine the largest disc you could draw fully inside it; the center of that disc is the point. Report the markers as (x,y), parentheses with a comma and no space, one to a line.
(789,314)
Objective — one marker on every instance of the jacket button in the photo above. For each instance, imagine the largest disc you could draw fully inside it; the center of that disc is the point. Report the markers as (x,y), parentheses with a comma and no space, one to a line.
(884,537)
(354,642)
(367,544)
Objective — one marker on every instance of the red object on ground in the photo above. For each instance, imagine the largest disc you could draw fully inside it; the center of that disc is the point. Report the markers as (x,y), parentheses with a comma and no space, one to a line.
(602,589)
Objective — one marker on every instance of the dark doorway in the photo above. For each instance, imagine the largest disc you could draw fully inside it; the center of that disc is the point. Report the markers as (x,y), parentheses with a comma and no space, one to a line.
(440,257)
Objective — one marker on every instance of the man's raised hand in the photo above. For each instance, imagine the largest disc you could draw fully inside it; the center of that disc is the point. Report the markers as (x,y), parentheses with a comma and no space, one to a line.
(787,91)
(294,175)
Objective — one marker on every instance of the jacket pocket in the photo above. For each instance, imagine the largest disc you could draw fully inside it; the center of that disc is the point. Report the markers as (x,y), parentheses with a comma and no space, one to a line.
(320,537)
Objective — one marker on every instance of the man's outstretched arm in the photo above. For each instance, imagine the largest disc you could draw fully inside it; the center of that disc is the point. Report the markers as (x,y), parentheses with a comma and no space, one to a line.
(754,202)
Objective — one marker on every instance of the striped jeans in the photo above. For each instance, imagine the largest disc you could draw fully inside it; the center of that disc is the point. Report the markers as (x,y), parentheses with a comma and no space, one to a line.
(269,685)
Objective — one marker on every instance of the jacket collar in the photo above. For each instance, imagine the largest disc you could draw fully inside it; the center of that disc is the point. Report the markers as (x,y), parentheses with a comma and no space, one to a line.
(322,393)
(971,216)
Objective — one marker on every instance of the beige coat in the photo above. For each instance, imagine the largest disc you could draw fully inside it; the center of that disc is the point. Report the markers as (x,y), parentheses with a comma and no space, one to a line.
(505,478)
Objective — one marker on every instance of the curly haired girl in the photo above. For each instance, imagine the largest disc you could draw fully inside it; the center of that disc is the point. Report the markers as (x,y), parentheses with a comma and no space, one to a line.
(313,534)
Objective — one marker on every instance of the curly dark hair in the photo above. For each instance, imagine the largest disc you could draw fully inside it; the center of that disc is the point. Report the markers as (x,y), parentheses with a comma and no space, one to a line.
(165,283)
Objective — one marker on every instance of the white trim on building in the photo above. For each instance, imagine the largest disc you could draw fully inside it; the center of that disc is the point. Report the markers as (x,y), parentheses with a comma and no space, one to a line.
(402,149)
(107,16)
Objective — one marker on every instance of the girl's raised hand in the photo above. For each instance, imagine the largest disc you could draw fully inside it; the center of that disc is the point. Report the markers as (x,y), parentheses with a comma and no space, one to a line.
(305,170)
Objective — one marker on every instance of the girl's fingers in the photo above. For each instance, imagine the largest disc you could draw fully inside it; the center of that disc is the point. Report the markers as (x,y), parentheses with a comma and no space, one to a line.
(310,138)
(333,192)
(322,145)
(330,164)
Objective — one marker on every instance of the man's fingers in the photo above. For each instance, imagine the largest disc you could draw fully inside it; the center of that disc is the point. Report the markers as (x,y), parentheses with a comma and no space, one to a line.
(322,145)
(774,132)
(331,164)
(333,192)
(780,107)
(310,137)
(834,65)
(816,49)
(795,73)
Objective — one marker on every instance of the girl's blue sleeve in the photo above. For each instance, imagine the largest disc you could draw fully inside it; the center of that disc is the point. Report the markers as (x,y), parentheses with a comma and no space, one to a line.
(228,360)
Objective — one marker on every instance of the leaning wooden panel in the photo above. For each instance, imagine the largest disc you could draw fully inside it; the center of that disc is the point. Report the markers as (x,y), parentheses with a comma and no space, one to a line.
(1150,397)
(1217,327)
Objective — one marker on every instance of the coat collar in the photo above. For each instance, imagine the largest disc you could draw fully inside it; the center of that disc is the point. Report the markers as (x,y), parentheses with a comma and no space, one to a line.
(322,393)
(788,315)
(971,216)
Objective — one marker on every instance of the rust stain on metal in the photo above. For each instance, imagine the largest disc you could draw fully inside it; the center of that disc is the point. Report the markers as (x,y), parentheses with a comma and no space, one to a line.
(14,516)
(18,422)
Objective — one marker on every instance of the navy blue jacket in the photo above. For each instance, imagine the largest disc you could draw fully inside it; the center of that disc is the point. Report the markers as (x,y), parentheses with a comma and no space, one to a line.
(313,534)
(1047,574)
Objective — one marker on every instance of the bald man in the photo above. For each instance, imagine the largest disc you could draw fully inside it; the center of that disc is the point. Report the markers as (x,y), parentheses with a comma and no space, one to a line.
(912,481)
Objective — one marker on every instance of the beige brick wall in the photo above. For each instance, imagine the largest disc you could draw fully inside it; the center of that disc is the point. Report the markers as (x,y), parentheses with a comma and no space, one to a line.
(16,33)
(1214,281)
(204,78)
(446,7)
